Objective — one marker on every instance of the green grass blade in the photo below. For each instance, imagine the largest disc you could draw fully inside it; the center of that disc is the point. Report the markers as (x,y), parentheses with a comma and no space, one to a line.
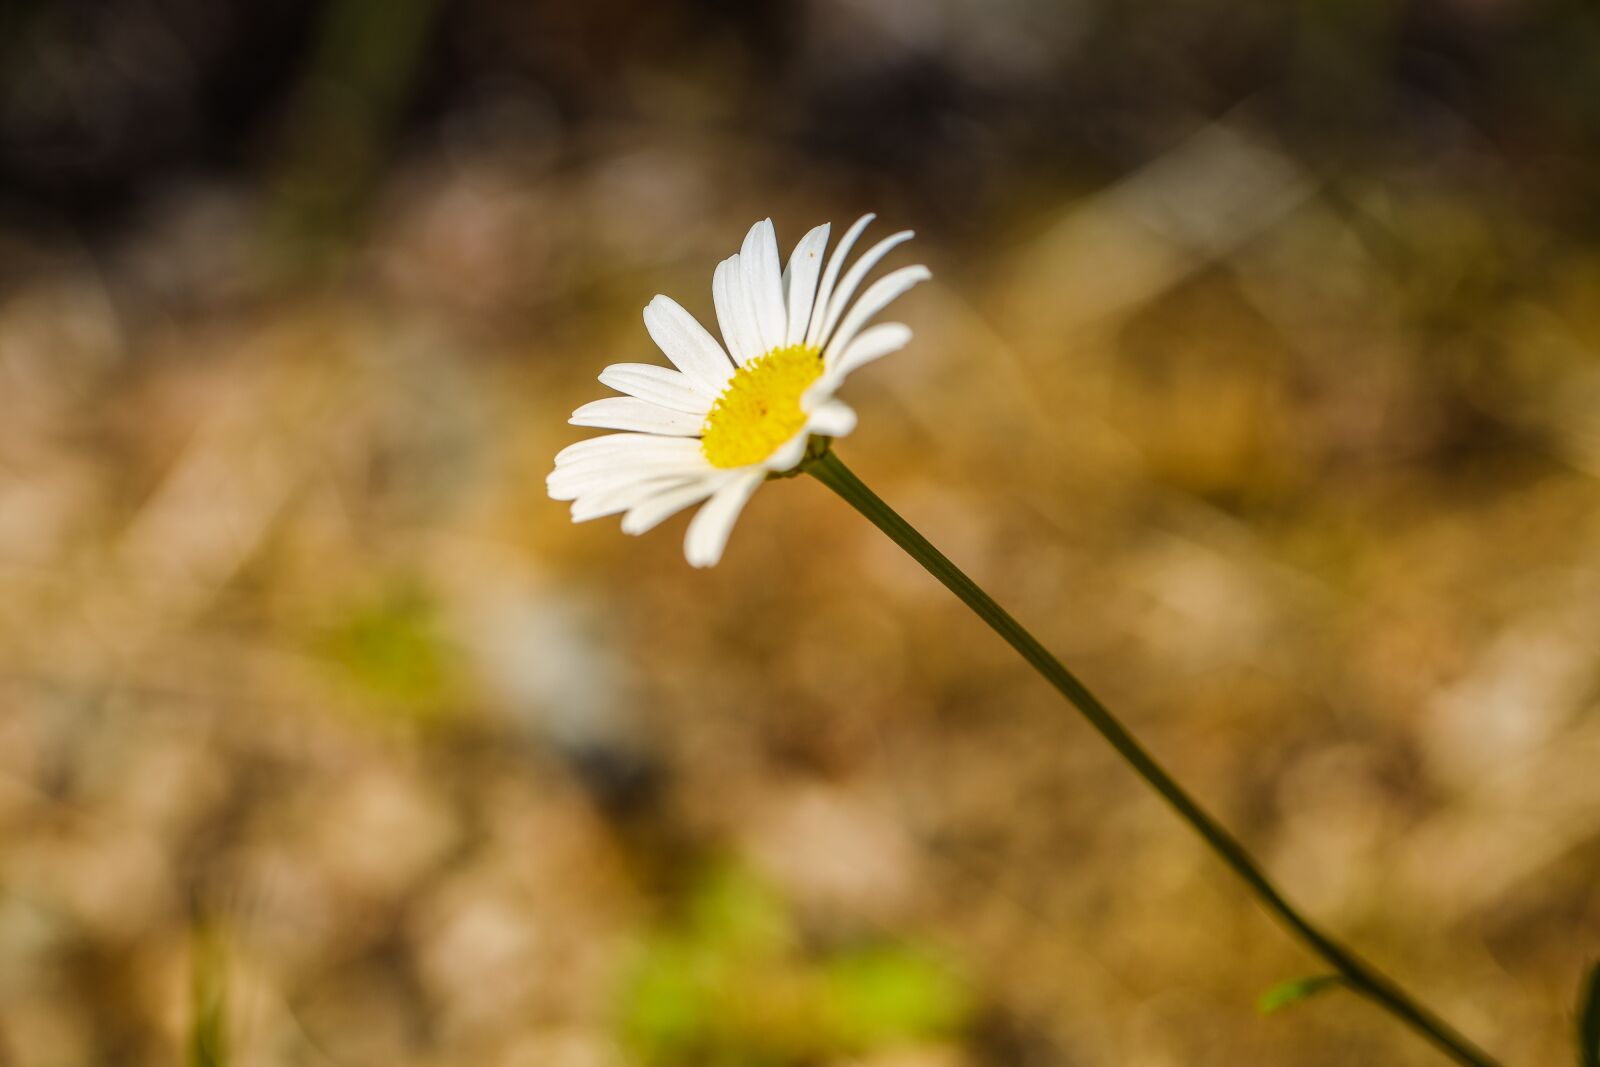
(208,1046)
(1295,990)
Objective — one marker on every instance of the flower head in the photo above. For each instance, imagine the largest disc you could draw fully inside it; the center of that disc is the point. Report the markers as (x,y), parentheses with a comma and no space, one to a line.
(716,426)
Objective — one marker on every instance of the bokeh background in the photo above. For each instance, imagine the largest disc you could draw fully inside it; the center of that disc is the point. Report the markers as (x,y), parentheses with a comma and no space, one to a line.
(1260,375)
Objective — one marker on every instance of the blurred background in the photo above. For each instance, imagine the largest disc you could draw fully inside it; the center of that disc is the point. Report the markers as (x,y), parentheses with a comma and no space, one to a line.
(1260,376)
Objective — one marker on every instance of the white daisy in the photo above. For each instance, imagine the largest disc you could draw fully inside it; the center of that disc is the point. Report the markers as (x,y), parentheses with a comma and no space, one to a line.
(717,426)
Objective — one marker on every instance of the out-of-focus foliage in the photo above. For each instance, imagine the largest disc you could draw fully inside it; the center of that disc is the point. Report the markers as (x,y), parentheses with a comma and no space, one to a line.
(729,984)
(1260,377)
(392,649)
(208,1006)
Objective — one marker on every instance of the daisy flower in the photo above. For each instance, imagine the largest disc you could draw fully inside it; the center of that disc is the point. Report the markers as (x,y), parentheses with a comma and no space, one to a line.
(728,418)
(732,414)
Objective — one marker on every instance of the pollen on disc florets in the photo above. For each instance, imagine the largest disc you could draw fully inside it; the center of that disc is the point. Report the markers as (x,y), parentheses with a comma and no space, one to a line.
(759,409)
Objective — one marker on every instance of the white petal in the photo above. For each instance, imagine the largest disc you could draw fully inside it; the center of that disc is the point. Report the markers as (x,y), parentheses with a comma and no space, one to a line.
(619,457)
(688,452)
(659,385)
(621,498)
(875,342)
(620,448)
(686,342)
(631,413)
(650,513)
(833,419)
(787,454)
(874,300)
(620,444)
(735,313)
(819,309)
(576,473)
(708,532)
(800,281)
(588,483)
(763,281)
(574,480)
(858,270)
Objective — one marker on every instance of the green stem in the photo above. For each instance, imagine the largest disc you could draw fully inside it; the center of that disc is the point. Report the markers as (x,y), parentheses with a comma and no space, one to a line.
(1359,975)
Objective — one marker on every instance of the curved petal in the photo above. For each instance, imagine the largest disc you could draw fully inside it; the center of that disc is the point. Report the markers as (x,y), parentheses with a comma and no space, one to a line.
(875,299)
(650,513)
(658,385)
(623,444)
(579,486)
(763,281)
(571,484)
(631,413)
(708,531)
(819,309)
(592,474)
(734,312)
(858,271)
(786,455)
(575,479)
(833,419)
(684,341)
(620,498)
(874,342)
(800,288)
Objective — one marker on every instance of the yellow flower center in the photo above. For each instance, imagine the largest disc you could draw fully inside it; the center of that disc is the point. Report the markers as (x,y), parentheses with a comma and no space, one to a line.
(759,409)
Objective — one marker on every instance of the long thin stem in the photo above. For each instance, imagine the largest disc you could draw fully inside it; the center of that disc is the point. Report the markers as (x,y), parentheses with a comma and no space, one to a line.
(1359,975)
